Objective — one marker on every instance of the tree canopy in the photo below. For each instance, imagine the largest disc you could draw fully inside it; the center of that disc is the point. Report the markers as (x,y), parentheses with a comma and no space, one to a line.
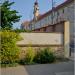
(8,16)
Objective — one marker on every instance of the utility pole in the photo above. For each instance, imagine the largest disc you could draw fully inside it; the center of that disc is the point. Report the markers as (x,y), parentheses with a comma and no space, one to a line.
(52,10)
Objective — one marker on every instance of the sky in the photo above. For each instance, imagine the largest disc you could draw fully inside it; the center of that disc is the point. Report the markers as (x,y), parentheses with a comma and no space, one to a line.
(25,8)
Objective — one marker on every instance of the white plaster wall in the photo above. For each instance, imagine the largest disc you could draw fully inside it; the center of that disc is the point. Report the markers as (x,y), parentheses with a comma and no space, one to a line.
(70,14)
(41,39)
(37,24)
(55,18)
(50,19)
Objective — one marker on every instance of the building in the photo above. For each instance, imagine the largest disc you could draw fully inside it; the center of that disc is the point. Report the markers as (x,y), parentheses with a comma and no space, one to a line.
(25,25)
(47,22)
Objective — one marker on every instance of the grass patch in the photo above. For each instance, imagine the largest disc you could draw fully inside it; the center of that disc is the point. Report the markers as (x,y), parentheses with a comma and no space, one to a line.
(9,65)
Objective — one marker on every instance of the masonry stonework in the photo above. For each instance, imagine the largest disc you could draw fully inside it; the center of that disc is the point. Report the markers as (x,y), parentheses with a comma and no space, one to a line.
(57,50)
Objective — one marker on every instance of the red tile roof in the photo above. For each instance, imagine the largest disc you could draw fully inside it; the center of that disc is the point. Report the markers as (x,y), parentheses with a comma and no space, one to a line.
(25,23)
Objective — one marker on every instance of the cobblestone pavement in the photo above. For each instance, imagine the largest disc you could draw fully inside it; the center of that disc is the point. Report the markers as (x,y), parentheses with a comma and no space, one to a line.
(64,68)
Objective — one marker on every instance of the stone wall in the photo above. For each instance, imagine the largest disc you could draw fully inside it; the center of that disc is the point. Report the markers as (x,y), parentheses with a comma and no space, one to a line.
(57,50)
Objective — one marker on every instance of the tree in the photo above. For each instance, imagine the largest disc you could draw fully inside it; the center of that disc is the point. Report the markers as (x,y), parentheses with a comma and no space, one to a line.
(8,16)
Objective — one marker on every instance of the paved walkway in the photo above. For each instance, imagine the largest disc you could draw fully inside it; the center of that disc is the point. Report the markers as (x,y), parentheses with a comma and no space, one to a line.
(64,68)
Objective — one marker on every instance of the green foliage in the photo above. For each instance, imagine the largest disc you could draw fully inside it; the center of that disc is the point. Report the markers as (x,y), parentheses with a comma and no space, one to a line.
(8,16)
(9,52)
(44,56)
(29,57)
(10,65)
(21,30)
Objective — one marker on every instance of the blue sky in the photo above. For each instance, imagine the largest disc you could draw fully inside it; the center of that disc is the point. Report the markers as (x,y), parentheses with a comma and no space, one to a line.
(25,8)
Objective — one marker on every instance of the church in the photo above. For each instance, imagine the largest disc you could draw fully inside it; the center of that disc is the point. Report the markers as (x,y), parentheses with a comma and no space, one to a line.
(50,21)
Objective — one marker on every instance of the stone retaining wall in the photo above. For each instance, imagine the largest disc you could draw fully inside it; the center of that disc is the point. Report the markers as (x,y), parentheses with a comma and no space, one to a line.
(58,51)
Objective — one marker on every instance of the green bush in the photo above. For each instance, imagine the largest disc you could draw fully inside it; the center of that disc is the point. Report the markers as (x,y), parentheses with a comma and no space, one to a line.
(9,52)
(21,30)
(44,56)
(29,57)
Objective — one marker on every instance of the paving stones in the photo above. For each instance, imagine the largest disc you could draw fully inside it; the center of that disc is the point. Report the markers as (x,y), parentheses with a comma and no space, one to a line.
(65,73)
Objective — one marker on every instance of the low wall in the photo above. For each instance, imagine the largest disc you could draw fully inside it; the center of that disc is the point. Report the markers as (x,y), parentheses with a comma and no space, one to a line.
(57,50)
(38,41)
(41,39)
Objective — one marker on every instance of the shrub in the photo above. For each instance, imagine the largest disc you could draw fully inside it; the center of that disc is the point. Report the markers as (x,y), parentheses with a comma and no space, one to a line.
(9,52)
(44,56)
(21,30)
(29,56)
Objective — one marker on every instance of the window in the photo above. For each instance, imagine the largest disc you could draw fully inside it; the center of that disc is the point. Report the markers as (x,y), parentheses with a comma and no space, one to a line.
(57,16)
(53,28)
(63,11)
(44,29)
(57,13)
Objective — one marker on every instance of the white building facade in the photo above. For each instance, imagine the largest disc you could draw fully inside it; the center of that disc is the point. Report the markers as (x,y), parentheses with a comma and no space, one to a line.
(63,12)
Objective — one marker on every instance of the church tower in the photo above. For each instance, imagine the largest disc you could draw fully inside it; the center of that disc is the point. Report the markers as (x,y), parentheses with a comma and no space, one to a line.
(36,10)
